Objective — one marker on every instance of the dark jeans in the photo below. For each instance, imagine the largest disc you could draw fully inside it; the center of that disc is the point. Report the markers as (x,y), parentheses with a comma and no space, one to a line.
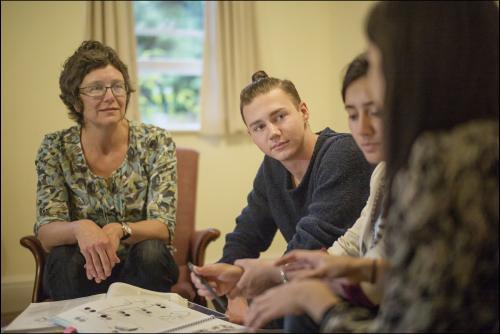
(300,324)
(148,265)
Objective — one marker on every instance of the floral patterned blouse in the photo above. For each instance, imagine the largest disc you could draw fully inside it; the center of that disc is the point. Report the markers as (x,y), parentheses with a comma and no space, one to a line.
(144,187)
(441,240)
(444,244)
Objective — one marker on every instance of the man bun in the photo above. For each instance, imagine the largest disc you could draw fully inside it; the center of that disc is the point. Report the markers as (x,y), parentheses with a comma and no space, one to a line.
(259,75)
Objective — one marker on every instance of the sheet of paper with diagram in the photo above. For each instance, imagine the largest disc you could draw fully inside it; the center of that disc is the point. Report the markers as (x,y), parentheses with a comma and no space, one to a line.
(39,316)
(123,289)
(140,313)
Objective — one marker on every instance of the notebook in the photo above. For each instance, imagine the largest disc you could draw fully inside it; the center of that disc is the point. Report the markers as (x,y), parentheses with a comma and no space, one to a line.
(139,314)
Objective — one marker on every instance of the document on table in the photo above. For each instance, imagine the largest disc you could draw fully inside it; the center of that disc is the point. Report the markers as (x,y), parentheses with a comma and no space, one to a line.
(37,316)
(141,314)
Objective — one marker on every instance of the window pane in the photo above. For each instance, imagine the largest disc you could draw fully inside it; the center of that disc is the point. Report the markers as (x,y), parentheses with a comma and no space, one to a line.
(169,100)
(169,53)
(173,47)
(169,14)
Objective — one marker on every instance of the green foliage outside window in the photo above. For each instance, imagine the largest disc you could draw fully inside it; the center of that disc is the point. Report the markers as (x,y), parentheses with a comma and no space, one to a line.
(169,51)
(181,14)
(170,47)
(177,96)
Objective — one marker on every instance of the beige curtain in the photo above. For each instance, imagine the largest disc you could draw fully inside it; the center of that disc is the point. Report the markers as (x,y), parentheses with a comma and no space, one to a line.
(230,59)
(112,23)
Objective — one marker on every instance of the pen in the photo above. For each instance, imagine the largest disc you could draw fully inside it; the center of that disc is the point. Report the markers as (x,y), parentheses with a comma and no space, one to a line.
(217,299)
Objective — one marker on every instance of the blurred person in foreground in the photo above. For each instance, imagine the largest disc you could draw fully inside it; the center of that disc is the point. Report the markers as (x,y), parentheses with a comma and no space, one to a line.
(434,75)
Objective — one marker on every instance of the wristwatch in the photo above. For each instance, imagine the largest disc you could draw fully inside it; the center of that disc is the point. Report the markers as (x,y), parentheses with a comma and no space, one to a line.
(127,231)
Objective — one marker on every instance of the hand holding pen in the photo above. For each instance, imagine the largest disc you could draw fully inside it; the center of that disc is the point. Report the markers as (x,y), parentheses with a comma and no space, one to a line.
(214,280)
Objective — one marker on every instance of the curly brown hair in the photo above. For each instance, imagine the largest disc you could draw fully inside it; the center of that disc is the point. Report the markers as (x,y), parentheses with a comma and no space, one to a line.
(89,56)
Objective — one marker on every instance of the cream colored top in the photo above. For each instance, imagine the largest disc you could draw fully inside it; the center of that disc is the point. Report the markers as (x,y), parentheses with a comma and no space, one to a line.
(365,237)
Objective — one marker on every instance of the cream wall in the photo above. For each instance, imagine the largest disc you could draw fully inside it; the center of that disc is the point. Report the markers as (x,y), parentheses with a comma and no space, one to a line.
(306,42)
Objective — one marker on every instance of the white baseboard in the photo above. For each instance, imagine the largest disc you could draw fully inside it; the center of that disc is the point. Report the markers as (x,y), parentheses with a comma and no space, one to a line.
(16,293)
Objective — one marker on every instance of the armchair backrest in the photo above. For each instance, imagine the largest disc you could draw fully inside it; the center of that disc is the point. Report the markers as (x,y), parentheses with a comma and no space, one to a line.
(187,180)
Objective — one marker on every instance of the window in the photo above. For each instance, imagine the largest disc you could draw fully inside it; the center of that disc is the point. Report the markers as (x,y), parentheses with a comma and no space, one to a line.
(169,56)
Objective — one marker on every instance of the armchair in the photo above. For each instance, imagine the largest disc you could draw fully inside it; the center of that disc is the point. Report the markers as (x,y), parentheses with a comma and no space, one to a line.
(190,243)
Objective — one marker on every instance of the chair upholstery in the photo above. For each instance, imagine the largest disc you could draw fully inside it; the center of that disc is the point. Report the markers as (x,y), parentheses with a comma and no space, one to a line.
(191,244)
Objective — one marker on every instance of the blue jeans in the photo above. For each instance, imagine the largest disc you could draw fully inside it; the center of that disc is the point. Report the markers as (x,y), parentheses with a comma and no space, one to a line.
(148,265)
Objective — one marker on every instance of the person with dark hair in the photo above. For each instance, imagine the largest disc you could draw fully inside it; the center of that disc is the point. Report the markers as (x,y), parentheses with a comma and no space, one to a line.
(347,273)
(106,191)
(310,186)
(434,73)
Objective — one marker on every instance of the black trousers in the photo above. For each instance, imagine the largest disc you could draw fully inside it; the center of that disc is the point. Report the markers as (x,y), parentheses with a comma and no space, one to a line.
(148,264)
(300,324)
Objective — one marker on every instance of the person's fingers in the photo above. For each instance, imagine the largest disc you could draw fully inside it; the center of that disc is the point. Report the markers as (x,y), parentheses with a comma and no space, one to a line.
(205,293)
(287,258)
(235,292)
(89,265)
(262,319)
(97,263)
(257,316)
(241,263)
(242,285)
(195,280)
(209,270)
(197,269)
(201,288)
(105,263)
(299,274)
(90,276)
(236,310)
(311,273)
(296,265)
(87,272)
(112,258)
(112,254)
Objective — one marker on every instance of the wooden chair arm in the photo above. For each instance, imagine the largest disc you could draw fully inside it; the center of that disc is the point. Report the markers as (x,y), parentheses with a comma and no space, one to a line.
(199,242)
(34,245)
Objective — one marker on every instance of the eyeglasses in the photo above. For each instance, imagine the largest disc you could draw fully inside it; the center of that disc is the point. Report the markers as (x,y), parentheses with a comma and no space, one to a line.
(118,89)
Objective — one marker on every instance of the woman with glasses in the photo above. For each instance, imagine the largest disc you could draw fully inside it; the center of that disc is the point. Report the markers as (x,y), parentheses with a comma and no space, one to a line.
(106,191)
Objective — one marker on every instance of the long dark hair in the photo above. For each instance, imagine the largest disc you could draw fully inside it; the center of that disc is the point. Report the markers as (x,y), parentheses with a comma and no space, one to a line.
(440,62)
